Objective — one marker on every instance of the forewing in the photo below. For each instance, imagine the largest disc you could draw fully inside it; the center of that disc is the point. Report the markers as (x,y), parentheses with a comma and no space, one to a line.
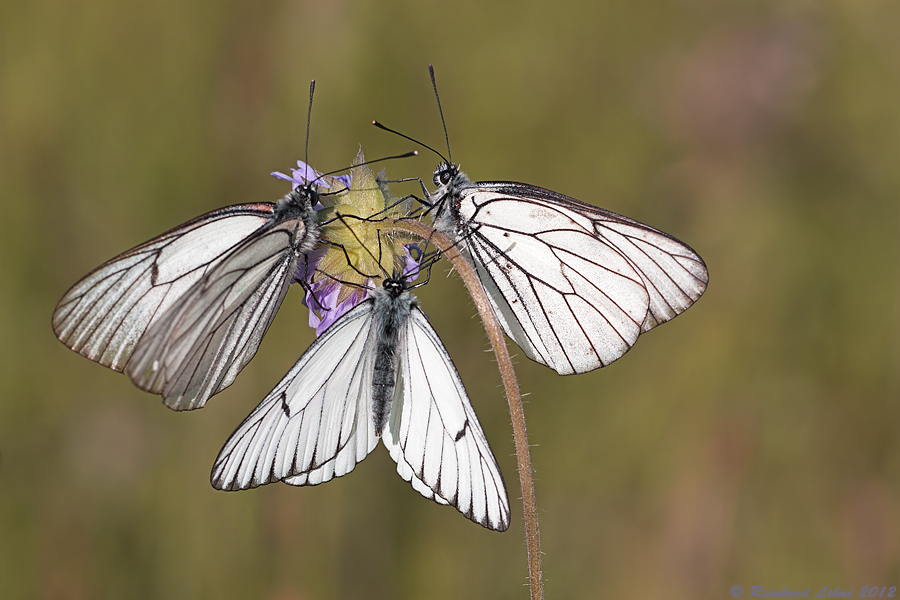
(674,275)
(568,298)
(572,284)
(317,423)
(434,435)
(202,342)
(104,315)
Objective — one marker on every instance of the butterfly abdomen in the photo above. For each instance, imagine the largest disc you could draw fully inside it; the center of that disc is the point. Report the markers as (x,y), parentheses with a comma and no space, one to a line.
(383,381)
(392,308)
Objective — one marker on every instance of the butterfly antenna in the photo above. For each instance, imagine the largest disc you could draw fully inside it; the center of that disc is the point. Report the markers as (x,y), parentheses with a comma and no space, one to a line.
(406,137)
(440,110)
(312,88)
(371,162)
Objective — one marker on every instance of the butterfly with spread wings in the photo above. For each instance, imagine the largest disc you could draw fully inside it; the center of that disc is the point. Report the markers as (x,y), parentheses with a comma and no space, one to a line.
(572,284)
(380,371)
(183,313)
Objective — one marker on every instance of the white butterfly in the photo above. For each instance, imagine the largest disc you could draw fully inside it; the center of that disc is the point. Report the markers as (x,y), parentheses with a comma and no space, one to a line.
(183,313)
(380,371)
(572,284)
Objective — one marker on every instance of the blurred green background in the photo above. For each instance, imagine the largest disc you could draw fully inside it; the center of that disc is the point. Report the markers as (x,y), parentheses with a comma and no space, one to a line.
(752,441)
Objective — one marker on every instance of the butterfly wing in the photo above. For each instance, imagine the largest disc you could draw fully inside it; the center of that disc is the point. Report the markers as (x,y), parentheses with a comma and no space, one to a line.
(572,284)
(317,423)
(197,348)
(434,435)
(104,315)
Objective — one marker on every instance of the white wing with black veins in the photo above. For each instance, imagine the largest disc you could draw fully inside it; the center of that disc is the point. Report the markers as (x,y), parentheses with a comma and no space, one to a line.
(104,316)
(574,285)
(434,435)
(204,340)
(317,423)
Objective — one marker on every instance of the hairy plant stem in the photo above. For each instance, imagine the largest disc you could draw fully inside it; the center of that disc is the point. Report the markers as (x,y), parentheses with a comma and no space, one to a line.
(517,413)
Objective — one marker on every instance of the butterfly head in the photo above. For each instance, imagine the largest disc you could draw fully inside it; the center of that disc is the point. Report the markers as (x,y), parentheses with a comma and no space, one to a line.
(445,173)
(394,286)
(299,202)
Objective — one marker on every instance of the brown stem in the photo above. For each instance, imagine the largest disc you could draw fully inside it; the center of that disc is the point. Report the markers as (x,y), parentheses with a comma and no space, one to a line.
(517,413)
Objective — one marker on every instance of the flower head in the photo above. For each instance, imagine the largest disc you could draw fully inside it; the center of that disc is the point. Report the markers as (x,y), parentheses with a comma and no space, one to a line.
(355,249)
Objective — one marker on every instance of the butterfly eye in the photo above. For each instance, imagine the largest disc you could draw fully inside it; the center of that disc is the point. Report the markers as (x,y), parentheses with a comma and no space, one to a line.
(443,174)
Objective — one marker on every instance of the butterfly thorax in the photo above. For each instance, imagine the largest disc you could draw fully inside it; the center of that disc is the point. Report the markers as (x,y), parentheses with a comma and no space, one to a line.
(299,206)
(393,305)
(452,184)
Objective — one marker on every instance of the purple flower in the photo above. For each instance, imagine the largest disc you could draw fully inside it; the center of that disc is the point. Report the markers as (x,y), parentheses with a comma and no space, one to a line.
(355,247)
(323,295)
(304,174)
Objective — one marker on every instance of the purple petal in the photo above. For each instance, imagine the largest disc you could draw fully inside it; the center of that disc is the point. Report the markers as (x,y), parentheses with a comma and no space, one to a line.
(281,176)
(335,312)
(322,300)
(303,170)
(411,264)
(345,179)
(328,306)
(304,174)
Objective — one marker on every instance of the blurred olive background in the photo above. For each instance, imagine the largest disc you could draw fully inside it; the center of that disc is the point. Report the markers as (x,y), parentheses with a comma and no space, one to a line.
(752,441)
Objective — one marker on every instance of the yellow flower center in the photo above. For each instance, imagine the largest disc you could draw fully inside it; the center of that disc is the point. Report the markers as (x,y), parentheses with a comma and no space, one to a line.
(355,219)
